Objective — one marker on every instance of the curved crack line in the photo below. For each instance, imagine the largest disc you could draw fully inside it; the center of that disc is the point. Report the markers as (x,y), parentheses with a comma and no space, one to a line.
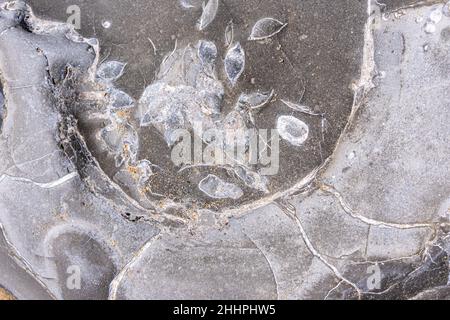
(333,289)
(48,185)
(372,222)
(419,254)
(397,284)
(423,3)
(4,31)
(154,214)
(114,285)
(19,165)
(290,211)
(24,264)
(268,262)
(363,262)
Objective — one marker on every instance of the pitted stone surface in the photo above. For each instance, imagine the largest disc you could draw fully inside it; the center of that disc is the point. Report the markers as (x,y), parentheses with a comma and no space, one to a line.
(371,223)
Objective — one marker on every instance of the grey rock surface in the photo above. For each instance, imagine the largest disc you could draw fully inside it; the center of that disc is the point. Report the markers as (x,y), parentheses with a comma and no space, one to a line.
(361,211)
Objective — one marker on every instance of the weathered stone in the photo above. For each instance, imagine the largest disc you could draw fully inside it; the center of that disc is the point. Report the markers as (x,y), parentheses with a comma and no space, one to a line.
(92,207)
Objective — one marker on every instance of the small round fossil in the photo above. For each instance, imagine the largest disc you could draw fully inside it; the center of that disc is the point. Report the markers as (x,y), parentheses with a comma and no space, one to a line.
(293,130)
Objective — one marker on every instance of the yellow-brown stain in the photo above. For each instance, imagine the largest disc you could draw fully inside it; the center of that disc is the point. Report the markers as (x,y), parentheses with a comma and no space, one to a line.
(5,295)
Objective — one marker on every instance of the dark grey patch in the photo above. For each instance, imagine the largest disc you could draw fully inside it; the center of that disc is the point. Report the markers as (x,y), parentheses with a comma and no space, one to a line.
(445,34)
(406,280)
(207,52)
(79,252)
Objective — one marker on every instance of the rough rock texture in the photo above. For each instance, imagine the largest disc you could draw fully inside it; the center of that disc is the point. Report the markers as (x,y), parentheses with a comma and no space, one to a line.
(366,218)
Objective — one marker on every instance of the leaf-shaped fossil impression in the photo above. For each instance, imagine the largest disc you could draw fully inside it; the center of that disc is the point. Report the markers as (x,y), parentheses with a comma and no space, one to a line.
(208,15)
(229,34)
(256,100)
(293,130)
(135,174)
(251,179)
(111,70)
(191,4)
(266,28)
(120,139)
(119,99)
(300,108)
(235,63)
(207,52)
(216,188)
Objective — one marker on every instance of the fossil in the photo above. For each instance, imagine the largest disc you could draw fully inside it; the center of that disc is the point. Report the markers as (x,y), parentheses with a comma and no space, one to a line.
(109,150)
(266,28)
(235,63)
(209,14)
(293,130)
(111,70)
(215,187)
